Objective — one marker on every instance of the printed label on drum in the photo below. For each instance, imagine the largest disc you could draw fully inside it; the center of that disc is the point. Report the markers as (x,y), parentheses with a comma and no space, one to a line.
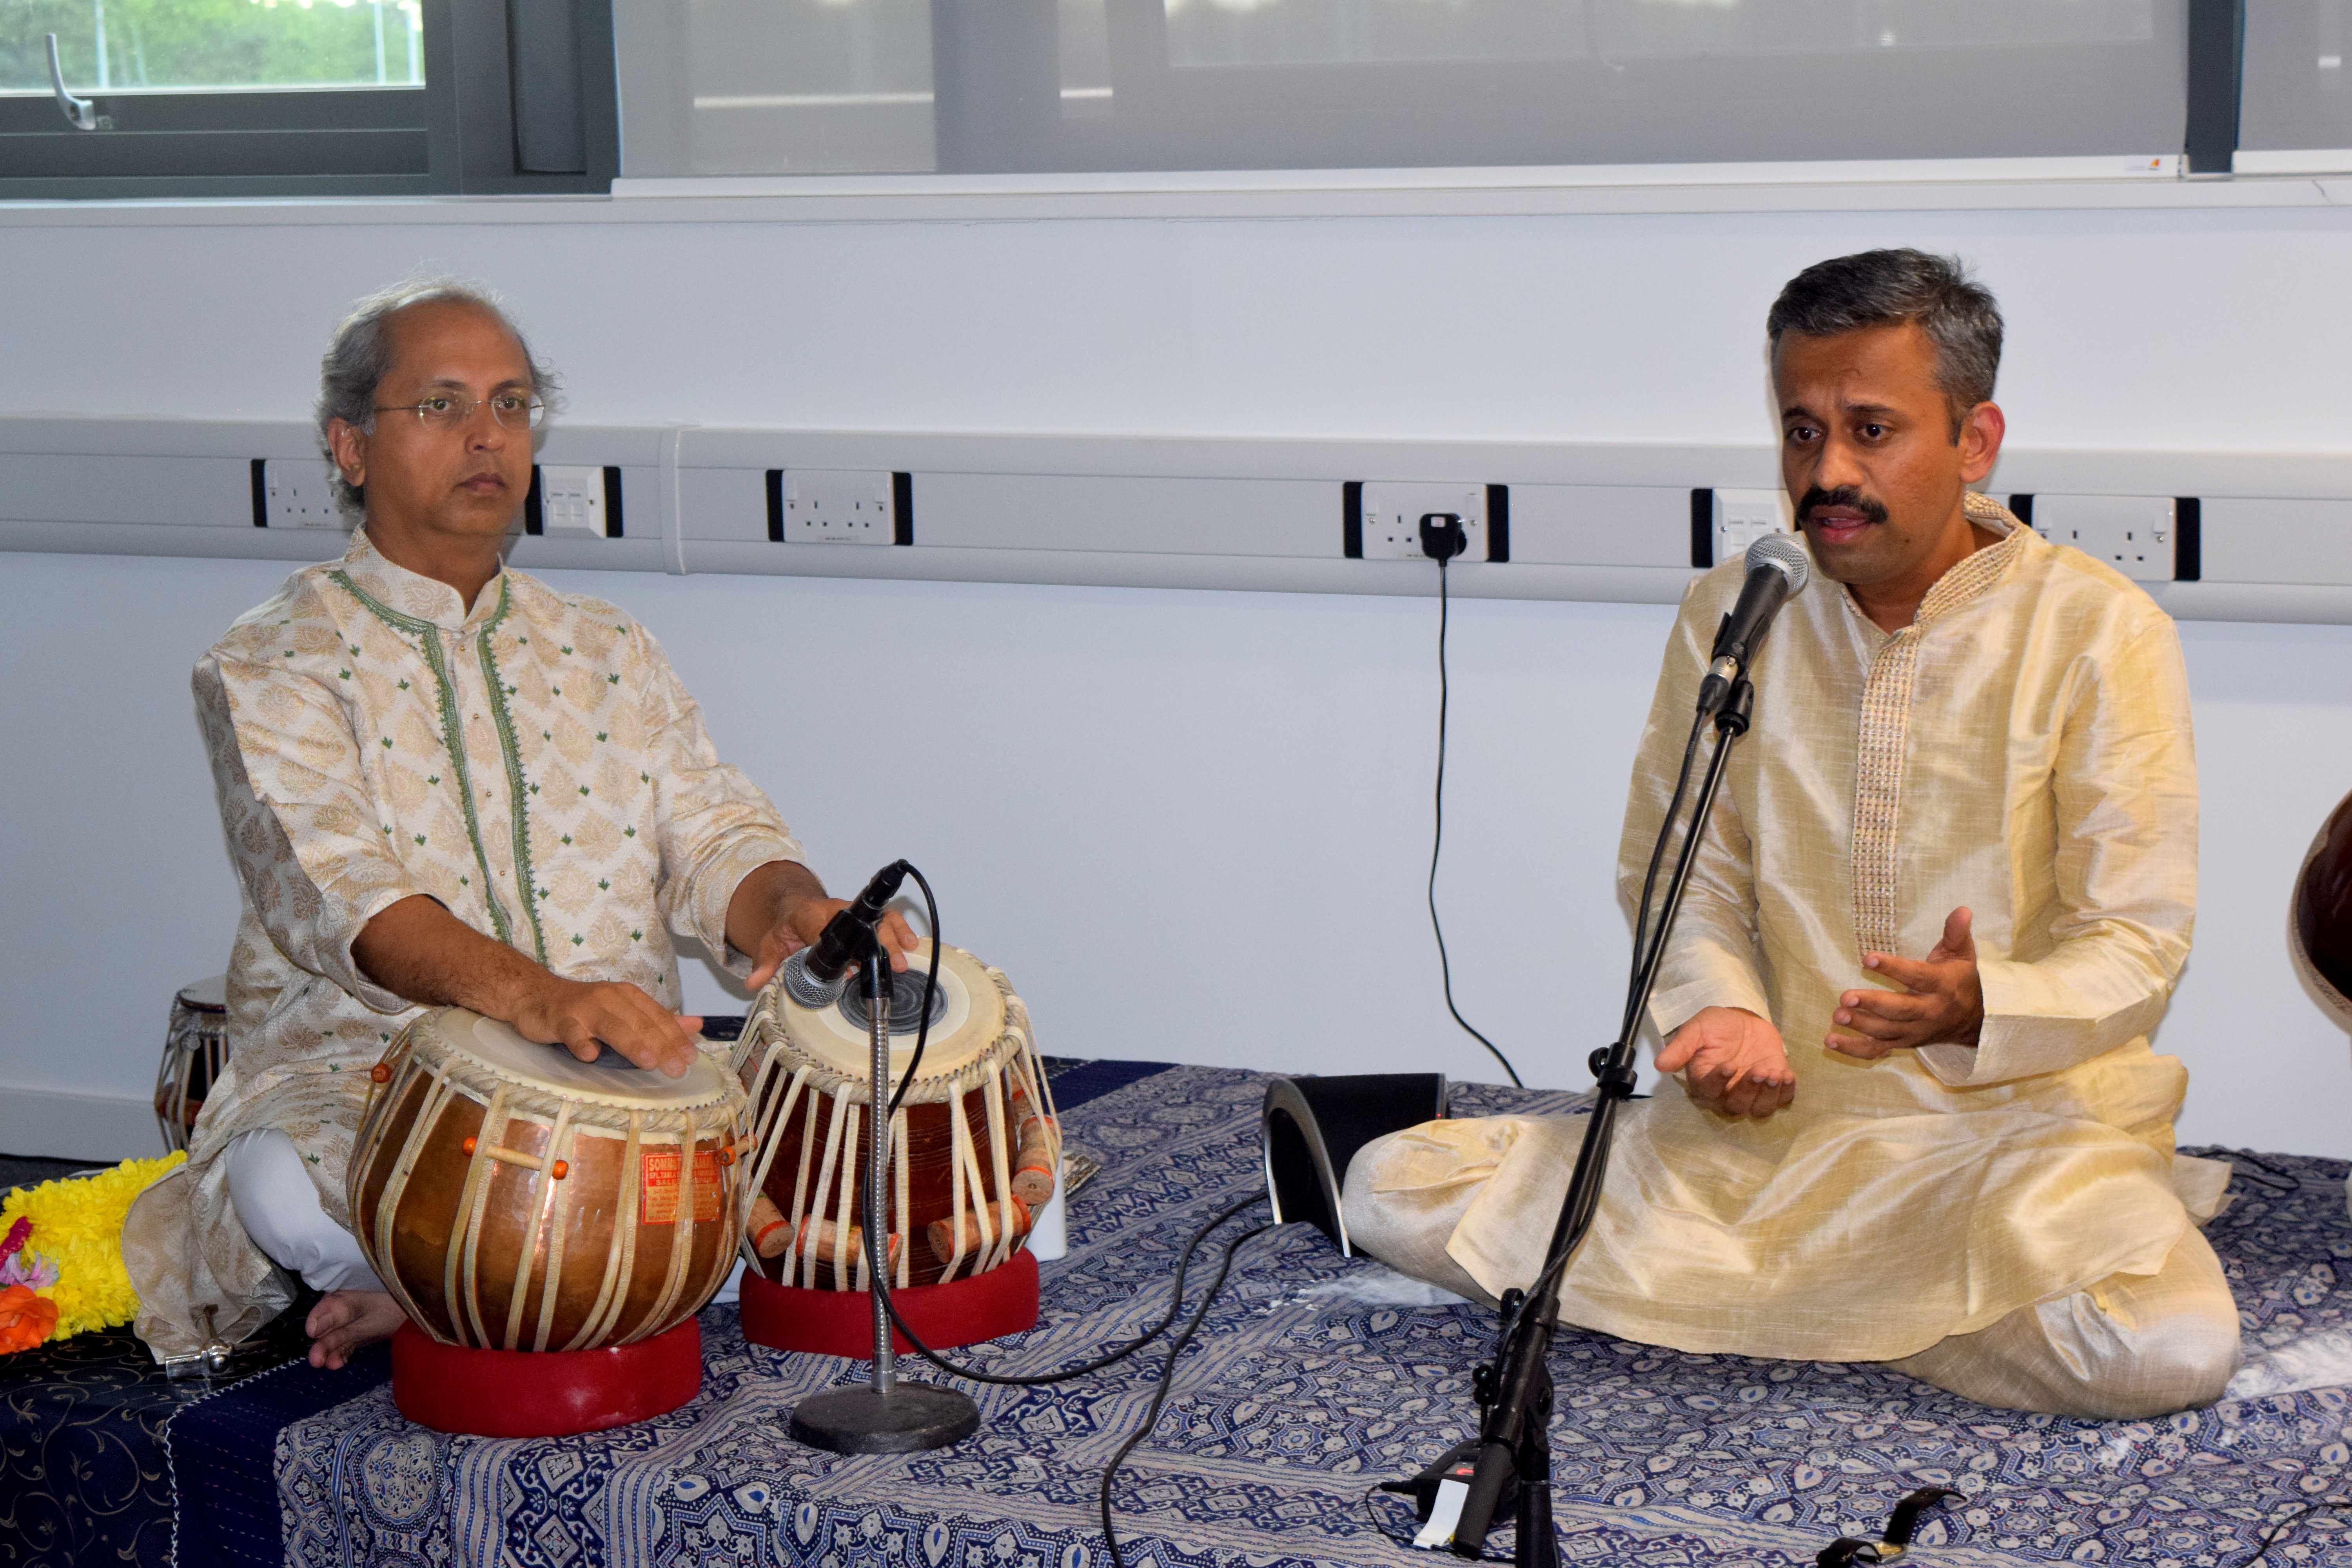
(658,1204)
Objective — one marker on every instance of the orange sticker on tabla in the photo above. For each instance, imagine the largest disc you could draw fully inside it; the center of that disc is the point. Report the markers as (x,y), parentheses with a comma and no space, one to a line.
(658,1204)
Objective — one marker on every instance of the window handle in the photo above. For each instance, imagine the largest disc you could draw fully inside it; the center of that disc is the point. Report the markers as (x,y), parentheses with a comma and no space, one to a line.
(79,112)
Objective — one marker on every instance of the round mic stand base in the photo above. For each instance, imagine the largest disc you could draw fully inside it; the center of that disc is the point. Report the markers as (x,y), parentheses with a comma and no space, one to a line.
(908,1419)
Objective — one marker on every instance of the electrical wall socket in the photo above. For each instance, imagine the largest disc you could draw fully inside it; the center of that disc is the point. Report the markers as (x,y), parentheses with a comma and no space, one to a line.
(2133,534)
(839,506)
(571,502)
(299,492)
(1743,516)
(1393,510)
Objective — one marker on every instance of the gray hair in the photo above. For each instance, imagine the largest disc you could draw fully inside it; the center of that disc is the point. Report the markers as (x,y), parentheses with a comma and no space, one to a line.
(360,356)
(1876,288)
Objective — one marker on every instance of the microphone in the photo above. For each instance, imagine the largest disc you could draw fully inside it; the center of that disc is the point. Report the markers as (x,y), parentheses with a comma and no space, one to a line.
(816,977)
(1778,568)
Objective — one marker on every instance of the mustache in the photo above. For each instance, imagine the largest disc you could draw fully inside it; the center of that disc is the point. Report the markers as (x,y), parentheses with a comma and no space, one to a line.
(1844,496)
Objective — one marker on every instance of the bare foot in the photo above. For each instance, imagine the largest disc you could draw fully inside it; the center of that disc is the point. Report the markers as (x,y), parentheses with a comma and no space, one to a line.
(344,1320)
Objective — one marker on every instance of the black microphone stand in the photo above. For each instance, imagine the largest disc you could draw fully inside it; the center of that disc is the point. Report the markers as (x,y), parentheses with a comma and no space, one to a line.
(1513,1448)
(886,1415)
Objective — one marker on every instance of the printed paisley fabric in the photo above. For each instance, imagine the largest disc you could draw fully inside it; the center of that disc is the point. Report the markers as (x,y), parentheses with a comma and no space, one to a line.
(532,763)
(2022,749)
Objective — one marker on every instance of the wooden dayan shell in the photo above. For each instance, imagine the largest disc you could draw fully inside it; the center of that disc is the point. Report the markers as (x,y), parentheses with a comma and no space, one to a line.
(974,1148)
(512,1197)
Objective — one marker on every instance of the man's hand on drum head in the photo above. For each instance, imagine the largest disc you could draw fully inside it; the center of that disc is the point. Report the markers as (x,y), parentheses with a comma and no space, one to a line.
(782,907)
(417,949)
(806,922)
(1731,1062)
(577,1014)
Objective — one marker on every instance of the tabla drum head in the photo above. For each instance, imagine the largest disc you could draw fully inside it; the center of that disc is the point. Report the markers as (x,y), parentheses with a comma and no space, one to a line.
(469,1039)
(968,1020)
(206,995)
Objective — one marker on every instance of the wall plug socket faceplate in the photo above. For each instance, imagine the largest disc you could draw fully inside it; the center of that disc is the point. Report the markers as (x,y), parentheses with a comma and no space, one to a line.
(2133,534)
(299,492)
(1393,510)
(839,506)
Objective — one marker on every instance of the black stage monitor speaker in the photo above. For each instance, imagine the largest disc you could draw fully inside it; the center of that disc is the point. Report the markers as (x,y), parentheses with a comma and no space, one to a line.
(1313,1127)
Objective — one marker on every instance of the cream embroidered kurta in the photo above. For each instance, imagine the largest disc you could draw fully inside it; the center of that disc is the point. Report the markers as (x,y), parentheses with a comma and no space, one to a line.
(2022,749)
(532,763)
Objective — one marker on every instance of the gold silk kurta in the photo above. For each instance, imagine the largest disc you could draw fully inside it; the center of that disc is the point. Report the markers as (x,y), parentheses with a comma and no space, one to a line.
(532,763)
(2022,749)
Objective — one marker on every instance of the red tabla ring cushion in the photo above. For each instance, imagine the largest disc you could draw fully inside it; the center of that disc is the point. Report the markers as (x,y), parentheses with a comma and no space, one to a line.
(543,1394)
(841,1322)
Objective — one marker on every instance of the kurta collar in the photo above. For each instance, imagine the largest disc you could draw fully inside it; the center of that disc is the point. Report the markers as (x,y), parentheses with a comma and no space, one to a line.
(414,594)
(1969,577)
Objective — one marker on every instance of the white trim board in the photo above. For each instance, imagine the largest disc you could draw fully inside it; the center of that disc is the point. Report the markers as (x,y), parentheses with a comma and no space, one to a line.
(2290,160)
(103,1129)
(1930,186)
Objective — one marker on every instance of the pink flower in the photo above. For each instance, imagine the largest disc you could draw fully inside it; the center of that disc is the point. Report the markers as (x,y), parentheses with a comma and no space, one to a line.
(16,1237)
(25,1268)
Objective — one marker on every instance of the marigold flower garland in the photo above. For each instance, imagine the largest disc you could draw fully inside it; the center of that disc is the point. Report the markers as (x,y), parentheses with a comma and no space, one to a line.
(61,1254)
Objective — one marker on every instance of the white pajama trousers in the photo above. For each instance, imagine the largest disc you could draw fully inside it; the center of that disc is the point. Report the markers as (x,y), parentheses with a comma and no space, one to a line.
(279,1205)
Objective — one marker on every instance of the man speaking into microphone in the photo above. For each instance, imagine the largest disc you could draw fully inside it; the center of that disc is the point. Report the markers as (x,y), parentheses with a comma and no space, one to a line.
(1945,894)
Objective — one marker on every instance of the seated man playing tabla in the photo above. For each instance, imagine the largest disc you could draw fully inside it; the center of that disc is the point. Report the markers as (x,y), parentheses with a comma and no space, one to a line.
(442,782)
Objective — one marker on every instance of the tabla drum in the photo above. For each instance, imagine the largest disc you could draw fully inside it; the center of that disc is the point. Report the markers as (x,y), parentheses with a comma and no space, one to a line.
(513,1197)
(974,1147)
(196,1045)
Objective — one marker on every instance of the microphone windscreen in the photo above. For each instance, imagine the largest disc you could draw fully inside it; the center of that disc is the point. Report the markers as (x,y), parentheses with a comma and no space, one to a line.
(1785,553)
(805,988)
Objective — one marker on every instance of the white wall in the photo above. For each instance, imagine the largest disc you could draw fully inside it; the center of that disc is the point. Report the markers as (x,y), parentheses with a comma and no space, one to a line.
(1191,826)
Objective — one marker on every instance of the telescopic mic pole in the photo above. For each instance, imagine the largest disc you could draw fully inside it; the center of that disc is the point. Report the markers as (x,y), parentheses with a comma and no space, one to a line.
(1512,1453)
(1513,1450)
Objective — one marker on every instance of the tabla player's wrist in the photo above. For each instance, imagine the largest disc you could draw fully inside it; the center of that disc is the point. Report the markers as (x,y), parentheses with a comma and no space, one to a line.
(536,997)
(764,902)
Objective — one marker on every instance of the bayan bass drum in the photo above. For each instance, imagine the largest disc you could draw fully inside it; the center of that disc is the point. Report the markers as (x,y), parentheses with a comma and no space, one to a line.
(195,1046)
(974,1148)
(512,1197)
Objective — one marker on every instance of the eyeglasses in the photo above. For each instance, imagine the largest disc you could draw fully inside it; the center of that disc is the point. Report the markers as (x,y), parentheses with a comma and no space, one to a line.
(443,411)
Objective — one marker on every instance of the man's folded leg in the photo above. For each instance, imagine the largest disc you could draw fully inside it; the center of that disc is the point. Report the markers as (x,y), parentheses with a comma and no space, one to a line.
(279,1205)
(2131,1346)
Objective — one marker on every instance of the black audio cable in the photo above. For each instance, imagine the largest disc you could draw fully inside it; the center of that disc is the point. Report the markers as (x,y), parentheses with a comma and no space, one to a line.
(1175,1298)
(1160,1394)
(1437,835)
(1183,1263)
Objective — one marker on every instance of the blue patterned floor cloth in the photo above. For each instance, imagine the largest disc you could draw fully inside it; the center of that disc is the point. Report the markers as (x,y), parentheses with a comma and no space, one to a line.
(1318,1376)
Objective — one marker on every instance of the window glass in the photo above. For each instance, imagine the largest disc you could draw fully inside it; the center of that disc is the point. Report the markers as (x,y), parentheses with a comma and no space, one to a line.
(803,87)
(2294,94)
(784,86)
(124,45)
(1301,32)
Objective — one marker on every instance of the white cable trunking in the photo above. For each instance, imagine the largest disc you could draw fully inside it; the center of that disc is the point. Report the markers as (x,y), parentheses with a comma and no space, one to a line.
(1583,522)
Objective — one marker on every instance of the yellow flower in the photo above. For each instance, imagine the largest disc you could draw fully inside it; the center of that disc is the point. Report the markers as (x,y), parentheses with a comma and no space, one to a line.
(78,1226)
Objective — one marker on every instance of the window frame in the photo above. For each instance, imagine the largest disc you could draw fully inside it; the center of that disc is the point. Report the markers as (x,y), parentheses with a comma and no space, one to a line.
(463,132)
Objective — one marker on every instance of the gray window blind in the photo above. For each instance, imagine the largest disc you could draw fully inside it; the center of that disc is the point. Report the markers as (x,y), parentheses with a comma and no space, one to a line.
(793,87)
(2295,96)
